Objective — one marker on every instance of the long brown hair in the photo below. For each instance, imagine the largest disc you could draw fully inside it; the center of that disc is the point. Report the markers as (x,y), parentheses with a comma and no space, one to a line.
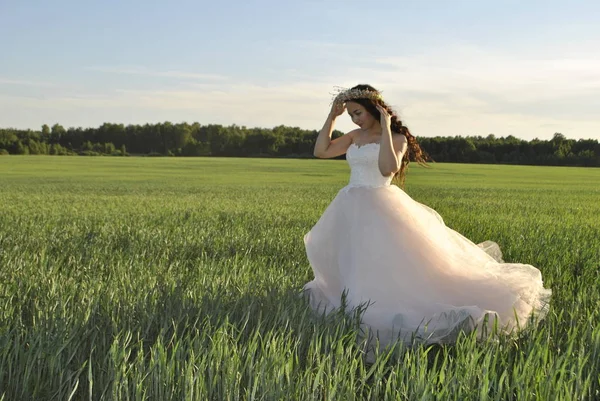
(414,151)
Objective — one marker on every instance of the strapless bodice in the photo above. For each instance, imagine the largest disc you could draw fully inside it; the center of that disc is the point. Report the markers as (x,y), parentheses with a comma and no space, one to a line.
(364,166)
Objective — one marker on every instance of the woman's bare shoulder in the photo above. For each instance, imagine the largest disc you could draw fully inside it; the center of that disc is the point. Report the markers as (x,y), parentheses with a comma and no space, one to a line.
(353,133)
(399,138)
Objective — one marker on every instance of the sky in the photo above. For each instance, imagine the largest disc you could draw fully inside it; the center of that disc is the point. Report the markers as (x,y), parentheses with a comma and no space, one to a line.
(526,68)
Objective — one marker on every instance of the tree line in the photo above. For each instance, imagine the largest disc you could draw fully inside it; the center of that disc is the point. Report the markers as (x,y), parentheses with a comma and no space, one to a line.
(183,139)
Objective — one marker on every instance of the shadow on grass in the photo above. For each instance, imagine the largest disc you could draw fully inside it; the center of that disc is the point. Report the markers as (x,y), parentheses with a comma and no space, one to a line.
(44,358)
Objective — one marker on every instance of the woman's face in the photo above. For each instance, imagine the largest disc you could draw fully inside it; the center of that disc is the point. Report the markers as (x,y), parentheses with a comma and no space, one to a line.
(360,116)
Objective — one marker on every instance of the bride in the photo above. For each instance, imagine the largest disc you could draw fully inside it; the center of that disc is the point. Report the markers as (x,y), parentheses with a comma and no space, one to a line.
(375,246)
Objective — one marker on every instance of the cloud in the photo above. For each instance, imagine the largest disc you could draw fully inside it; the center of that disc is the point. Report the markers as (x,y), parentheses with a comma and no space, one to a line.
(461,89)
(469,90)
(20,82)
(240,103)
(169,74)
(467,70)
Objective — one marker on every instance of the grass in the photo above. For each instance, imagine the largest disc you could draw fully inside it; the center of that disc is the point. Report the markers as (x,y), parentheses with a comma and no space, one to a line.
(178,279)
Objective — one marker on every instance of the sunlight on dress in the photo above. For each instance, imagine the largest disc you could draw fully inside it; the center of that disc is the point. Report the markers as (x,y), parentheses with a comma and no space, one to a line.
(420,280)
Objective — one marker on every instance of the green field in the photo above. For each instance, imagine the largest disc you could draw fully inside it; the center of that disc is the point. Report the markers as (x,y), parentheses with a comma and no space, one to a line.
(178,279)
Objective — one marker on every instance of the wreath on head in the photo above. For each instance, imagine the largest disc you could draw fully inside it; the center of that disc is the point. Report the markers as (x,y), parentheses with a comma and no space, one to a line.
(343,95)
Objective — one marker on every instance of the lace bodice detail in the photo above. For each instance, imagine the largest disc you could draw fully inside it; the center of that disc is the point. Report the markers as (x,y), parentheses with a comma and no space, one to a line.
(364,166)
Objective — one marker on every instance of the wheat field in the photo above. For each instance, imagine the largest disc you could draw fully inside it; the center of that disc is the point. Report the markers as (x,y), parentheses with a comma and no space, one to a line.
(179,279)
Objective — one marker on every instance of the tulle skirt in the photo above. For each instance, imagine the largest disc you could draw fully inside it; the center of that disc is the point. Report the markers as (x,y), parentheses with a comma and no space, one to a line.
(416,279)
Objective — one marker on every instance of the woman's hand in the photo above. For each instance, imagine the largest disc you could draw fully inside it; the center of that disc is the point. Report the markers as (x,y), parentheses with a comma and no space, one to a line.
(337,108)
(386,118)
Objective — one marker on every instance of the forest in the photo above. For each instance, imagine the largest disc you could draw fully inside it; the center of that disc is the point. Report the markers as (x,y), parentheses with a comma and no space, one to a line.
(184,139)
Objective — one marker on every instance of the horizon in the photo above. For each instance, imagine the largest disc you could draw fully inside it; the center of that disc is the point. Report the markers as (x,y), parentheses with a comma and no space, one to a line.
(271,128)
(461,69)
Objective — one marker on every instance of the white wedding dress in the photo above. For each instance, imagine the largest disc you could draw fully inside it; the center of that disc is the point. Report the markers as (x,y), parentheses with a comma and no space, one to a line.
(376,247)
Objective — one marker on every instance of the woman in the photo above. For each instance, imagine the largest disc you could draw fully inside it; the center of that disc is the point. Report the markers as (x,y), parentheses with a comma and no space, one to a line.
(376,246)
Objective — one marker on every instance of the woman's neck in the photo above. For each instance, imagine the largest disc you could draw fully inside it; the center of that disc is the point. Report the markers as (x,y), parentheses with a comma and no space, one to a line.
(375,130)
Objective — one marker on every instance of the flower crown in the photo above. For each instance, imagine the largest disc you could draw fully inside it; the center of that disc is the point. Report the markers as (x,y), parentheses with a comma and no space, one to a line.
(343,95)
